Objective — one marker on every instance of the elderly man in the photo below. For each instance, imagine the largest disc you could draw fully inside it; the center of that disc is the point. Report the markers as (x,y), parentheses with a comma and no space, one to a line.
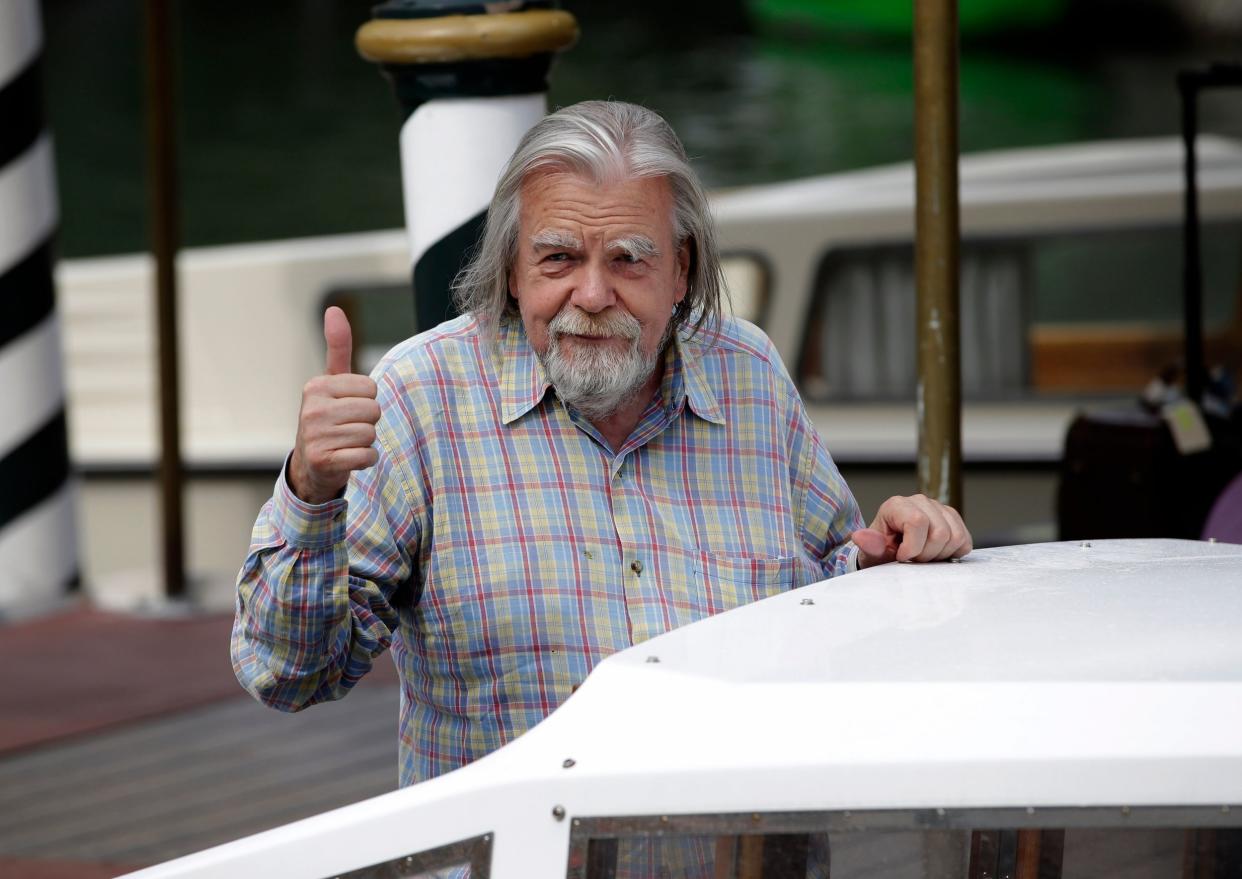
(590,456)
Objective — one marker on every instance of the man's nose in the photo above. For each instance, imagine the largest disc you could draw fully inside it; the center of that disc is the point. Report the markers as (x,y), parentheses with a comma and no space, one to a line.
(594,291)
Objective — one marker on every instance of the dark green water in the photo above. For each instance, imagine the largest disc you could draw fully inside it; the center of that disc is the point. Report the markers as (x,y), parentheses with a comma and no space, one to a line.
(284,131)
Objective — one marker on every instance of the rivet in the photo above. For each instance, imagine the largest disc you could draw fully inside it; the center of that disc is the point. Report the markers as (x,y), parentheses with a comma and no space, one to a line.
(756,817)
(846,815)
(1224,810)
(1030,810)
(653,659)
(558,812)
(663,819)
(807,601)
(1125,810)
(1086,544)
(577,823)
(409,860)
(569,763)
(940,812)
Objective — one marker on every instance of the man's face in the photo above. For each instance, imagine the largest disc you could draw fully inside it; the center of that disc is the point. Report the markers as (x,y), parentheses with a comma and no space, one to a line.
(597,274)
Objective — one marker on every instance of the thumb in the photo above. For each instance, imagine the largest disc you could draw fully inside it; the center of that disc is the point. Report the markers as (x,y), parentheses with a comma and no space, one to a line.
(340,341)
(874,547)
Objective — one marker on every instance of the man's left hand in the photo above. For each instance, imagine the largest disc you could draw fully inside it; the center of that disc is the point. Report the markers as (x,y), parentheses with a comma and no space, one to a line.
(912,529)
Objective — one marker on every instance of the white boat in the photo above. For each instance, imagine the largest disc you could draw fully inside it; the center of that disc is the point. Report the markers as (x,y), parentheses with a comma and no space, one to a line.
(250,314)
(1064,709)
(796,251)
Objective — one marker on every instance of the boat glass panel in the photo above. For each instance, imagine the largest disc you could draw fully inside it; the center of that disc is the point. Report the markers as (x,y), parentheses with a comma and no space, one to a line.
(1072,312)
(1097,843)
(464,859)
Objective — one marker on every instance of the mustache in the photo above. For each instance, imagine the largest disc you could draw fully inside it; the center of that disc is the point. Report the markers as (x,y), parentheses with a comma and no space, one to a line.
(575,322)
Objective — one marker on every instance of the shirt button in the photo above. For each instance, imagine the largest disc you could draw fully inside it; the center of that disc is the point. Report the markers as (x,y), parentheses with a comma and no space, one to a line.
(636,566)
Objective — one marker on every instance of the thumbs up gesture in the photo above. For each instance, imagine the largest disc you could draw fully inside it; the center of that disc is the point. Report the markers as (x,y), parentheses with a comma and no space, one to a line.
(336,426)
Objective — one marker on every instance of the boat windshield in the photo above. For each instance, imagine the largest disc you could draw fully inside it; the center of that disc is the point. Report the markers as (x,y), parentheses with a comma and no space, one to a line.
(973,844)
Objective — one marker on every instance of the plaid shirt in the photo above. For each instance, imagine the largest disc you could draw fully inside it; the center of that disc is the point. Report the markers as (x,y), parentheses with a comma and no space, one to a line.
(501,549)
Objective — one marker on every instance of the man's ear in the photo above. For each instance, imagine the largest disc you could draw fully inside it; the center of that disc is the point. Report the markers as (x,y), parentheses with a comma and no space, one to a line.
(685,258)
(511,280)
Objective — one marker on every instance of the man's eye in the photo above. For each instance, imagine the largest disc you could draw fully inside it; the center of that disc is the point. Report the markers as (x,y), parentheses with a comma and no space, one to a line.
(627,258)
(556,257)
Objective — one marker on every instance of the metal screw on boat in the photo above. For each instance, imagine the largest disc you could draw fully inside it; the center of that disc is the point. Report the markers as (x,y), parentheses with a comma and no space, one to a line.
(940,812)
(1125,810)
(807,601)
(558,812)
(409,860)
(1224,810)
(1086,544)
(569,763)
(1030,810)
(653,659)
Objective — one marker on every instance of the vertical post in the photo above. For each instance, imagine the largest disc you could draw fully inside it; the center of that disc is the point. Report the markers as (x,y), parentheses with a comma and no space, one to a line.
(1192,278)
(471,78)
(161,147)
(936,249)
(38,535)
(1189,84)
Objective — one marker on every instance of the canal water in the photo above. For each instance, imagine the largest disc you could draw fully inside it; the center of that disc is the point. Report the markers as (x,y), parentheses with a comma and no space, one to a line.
(284,131)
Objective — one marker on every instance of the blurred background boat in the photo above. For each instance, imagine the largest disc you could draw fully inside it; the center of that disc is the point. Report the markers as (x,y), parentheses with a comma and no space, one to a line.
(289,167)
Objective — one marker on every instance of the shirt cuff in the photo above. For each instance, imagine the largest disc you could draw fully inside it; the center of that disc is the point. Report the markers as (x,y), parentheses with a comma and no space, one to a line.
(851,563)
(303,525)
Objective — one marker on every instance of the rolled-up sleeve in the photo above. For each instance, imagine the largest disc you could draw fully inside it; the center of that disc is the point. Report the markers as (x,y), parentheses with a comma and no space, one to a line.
(825,507)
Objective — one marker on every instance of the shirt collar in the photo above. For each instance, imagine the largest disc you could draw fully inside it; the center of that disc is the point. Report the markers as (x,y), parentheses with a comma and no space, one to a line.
(685,364)
(524,383)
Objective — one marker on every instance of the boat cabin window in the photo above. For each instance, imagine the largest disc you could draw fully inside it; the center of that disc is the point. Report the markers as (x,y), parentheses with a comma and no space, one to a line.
(465,859)
(1092,312)
(747,280)
(967,844)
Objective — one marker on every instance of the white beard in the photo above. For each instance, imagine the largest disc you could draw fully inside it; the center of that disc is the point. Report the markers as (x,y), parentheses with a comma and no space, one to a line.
(598,381)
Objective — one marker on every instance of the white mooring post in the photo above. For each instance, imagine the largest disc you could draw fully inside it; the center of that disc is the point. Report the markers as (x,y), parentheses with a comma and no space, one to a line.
(472,79)
(38,537)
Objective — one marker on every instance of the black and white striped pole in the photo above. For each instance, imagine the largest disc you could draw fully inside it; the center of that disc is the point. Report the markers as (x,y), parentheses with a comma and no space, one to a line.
(38,536)
(472,79)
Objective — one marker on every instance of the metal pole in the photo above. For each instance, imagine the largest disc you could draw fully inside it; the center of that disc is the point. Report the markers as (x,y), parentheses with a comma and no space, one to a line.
(936,249)
(1192,279)
(165,236)
(471,79)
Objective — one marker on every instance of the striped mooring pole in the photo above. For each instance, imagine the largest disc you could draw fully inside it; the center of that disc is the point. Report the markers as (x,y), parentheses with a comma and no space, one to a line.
(471,78)
(38,536)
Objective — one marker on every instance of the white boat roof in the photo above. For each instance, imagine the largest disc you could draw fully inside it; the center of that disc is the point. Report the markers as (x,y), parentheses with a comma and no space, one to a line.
(1121,611)
(1130,168)
(1040,677)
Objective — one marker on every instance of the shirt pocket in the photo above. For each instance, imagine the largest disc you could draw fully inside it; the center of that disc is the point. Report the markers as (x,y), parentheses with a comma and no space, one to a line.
(730,581)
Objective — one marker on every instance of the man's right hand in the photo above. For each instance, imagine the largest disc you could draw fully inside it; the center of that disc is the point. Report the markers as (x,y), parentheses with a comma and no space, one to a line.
(336,426)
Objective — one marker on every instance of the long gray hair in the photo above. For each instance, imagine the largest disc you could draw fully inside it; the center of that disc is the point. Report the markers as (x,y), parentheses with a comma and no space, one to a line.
(602,140)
